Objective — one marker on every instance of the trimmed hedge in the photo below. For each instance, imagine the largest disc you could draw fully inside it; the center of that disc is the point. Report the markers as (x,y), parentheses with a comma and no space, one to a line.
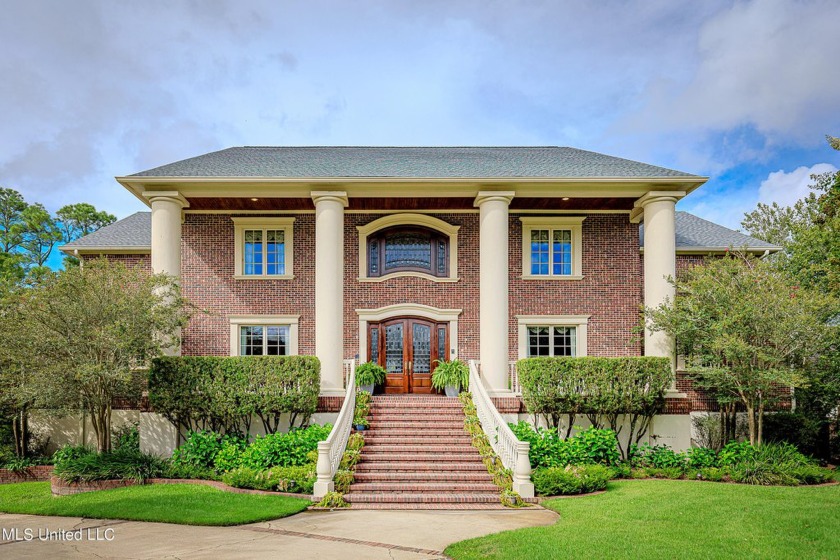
(562,481)
(604,389)
(223,393)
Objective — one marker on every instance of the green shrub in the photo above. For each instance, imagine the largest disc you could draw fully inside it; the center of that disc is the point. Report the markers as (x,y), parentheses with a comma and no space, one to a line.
(582,479)
(734,452)
(229,455)
(126,437)
(175,470)
(701,458)
(122,464)
(370,373)
(284,450)
(300,479)
(591,446)
(656,457)
(511,499)
(332,500)
(343,479)
(453,373)
(71,452)
(201,448)
(604,389)
(221,393)
(355,442)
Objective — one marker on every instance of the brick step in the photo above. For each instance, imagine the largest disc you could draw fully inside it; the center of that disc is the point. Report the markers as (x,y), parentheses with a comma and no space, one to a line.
(414,405)
(421,425)
(396,465)
(384,438)
(414,487)
(465,476)
(451,507)
(427,399)
(414,431)
(433,459)
(430,417)
(423,498)
(421,448)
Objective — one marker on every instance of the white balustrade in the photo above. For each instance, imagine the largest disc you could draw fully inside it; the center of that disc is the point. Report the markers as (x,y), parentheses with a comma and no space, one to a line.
(331,450)
(349,367)
(512,452)
(513,379)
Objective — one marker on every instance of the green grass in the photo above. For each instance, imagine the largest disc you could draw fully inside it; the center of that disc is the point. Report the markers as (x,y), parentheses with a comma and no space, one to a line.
(187,504)
(677,519)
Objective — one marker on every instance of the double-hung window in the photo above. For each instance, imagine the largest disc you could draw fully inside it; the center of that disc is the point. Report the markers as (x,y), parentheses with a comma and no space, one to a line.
(551,248)
(552,335)
(263,247)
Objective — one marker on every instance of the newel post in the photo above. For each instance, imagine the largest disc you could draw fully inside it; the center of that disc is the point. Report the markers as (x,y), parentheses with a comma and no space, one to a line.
(522,471)
(323,468)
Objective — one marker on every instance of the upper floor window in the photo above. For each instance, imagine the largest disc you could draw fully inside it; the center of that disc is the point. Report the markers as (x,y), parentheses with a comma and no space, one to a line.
(552,247)
(408,245)
(407,249)
(263,247)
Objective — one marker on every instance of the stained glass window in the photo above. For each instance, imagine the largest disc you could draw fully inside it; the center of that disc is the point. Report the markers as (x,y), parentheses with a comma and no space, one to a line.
(374,345)
(442,344)
(394,348)
(410,249)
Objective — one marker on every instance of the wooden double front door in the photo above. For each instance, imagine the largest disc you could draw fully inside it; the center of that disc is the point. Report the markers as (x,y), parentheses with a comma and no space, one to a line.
(408,348)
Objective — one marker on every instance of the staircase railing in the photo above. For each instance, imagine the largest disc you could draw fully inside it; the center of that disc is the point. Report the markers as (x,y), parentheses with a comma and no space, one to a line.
(512,452)
(331,450)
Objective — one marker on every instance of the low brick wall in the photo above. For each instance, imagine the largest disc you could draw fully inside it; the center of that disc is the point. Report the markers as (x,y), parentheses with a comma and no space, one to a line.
(40,473)
(61,488)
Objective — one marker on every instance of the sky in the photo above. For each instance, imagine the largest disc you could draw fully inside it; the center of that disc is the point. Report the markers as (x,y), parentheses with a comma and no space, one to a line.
(743,92)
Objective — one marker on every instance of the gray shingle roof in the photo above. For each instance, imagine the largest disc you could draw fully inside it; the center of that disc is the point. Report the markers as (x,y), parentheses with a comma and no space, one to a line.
(132,232)
(409,162)
(135,232)
(696,233)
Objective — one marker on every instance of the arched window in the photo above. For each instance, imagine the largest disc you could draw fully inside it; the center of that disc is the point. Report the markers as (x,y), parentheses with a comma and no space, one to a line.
(409,249)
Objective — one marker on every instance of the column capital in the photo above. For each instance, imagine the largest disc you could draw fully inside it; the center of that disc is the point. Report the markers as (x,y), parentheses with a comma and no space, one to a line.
(334,196)
(166,196)
(637,214)
(493,196)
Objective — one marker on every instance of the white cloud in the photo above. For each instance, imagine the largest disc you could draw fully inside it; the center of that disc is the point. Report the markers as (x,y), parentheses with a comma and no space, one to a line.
(785,188)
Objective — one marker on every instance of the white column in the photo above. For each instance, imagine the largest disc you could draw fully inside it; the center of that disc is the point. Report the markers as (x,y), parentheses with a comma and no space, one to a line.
(660,261)
(329,288)
(493,281)
(167,207)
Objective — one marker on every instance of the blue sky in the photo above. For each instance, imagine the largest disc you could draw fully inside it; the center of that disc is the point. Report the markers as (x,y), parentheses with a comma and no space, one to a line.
(743,92)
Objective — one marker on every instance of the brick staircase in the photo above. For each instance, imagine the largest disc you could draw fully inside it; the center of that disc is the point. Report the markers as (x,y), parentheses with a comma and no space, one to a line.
(418,456)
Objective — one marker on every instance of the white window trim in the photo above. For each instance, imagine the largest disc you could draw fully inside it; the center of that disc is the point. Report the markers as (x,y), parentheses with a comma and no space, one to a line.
(237,321)
(572,223)
(408,220)
(284,224)
(580,322)
(411,310)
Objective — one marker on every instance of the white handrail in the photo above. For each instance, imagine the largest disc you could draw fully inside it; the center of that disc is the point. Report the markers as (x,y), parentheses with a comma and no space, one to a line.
(331,450)
(512,452)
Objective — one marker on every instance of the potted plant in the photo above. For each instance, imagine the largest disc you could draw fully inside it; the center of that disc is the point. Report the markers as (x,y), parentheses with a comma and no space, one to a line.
(361,424)
(452,376)
(368,375)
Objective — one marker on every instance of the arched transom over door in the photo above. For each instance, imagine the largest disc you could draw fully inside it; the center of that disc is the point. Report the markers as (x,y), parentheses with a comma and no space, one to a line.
(408,348)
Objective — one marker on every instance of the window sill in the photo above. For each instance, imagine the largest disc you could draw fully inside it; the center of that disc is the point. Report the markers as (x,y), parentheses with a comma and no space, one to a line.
(263,277)
(551,277)
(408,275)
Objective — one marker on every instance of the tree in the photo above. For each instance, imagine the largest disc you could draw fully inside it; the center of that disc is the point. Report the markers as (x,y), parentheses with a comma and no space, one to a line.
(12,206)
(748,329)
(78,220)
(97,324)
(40,234)
(809,233)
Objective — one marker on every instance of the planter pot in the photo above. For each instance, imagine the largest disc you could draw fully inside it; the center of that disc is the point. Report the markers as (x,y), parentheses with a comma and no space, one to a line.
(452,390)
(360,428)
(368,388)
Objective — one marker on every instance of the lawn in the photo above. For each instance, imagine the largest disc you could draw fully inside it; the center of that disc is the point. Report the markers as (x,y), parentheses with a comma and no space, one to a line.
(677,519)
(167,503)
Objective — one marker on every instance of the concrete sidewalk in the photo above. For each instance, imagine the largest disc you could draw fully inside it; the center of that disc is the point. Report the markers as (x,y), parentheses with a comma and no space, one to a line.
(317,535)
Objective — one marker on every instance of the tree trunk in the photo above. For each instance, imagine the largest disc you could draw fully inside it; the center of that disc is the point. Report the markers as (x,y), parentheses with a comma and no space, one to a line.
(20,431)
(760,421)
(751,423)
